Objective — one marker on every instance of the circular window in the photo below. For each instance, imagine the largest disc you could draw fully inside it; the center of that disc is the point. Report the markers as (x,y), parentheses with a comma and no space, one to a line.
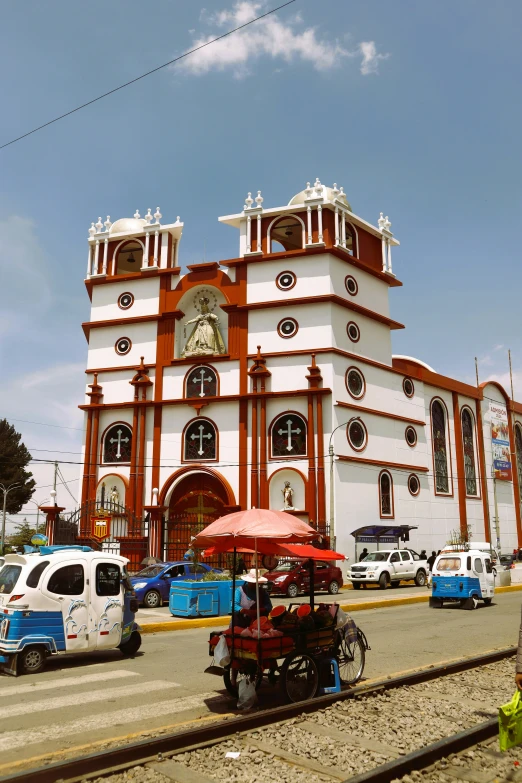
(411,436)
(351,285)
(408,387)
(125,300)
(355,383)
(287,327)
(356,434)
(413,484)
(286,280)
(352,330)
(123,346)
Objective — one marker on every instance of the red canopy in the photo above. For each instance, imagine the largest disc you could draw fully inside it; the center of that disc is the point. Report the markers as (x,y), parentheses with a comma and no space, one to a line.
(248,528)
(304,551)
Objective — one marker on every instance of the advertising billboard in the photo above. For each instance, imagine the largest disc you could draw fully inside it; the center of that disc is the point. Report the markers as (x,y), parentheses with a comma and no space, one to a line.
(500,442)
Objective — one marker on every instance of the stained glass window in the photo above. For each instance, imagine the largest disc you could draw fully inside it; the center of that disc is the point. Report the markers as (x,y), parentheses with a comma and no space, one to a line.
(201,382)
(440,448)
(469,453)
(117,444)
(385,491)
(289,436)
(200,441)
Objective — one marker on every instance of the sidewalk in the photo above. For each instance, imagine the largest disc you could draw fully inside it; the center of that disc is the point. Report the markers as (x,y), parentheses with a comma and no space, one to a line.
(159,620)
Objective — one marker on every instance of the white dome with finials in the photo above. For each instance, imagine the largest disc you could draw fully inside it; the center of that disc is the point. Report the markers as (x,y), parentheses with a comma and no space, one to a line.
(317,190)
(128,225)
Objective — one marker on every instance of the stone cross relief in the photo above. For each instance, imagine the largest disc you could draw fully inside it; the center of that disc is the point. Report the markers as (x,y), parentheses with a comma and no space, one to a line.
(289,432)
(200,436)
(201,380)
(119,440)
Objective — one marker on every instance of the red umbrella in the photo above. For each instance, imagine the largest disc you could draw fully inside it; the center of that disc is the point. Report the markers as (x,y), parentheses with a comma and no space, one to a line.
(304,551)
(245,528)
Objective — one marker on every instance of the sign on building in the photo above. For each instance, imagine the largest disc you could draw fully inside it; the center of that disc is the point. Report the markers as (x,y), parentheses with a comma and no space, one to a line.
(500,442)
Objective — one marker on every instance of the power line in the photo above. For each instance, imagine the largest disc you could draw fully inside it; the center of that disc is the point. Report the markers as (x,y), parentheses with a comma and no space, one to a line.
(43,424)
(148,73)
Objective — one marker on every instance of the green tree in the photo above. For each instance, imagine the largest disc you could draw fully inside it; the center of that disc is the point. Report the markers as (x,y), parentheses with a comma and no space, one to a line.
(13,460)
(23,535)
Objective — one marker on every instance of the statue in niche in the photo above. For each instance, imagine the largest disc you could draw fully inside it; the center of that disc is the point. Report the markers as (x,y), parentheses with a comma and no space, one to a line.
(288,497)
(115,497)
(205,339)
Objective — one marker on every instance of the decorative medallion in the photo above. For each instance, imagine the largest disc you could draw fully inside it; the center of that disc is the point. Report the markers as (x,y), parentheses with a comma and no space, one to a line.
(101,525)
(286,280)
(125,300)
(123,346)
(288,327)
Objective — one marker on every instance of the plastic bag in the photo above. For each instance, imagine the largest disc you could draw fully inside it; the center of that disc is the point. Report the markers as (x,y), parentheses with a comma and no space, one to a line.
(247,694)
(222,653)
(342,619)
(510,723)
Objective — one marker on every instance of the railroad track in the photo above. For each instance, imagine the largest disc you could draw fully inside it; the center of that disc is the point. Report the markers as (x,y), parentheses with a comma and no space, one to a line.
(373,733)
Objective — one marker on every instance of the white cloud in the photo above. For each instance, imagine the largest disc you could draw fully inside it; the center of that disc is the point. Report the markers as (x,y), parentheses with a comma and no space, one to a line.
(371,59)
(270,37)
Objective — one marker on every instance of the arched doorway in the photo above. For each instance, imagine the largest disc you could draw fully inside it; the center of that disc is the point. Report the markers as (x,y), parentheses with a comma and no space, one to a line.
(196,500)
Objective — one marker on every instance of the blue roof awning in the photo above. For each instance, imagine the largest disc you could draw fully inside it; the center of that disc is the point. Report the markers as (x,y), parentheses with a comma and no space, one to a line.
(380,532)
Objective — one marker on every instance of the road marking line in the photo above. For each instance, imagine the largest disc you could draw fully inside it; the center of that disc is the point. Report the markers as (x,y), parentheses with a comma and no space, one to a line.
(84,698)
(74,750)
(64,682)
(57,731)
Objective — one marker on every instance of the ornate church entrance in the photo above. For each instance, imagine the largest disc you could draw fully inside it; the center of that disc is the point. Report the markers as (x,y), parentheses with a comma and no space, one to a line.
(196,501)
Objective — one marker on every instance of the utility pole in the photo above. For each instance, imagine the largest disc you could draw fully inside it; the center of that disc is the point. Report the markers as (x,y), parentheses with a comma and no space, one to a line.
(6,491)
(55,479)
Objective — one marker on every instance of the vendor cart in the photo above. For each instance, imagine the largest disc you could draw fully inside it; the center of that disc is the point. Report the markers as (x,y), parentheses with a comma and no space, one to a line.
(307,650)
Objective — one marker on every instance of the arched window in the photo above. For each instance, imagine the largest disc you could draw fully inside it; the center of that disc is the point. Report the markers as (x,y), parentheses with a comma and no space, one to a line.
(288,436)
(385,494)
(117,444)
(518,447)
(287,233)
(468,444)
(129,257)
(440,448)
(201,382)
(200,441)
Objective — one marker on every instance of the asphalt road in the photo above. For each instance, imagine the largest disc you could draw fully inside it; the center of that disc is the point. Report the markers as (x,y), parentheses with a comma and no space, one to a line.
(85,701)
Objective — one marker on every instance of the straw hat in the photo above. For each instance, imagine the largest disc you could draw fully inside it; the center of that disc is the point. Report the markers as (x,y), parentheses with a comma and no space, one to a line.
(251,577)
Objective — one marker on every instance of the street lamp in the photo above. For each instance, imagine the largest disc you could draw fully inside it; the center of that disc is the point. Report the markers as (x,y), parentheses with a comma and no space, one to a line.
(331,453)
(6,491)
(40,503)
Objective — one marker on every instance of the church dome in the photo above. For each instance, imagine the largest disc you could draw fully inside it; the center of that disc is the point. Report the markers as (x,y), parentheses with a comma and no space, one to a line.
(327,193)
(127,226)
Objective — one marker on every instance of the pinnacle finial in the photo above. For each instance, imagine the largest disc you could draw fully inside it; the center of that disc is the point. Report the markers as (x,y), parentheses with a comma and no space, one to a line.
(137,214)
(92,230)
(99,225)
(148,217)
(108,223)
(259,198)
(248,201)
(157,215)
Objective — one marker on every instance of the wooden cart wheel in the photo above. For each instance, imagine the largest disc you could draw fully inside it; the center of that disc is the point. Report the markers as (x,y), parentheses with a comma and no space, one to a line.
(232,676)
(299,677)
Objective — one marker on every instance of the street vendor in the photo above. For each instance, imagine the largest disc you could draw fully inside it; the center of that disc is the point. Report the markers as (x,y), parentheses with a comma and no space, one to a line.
(245,601)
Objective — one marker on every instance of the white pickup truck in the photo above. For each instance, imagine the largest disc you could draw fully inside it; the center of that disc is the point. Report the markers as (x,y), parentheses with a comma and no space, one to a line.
(388,566)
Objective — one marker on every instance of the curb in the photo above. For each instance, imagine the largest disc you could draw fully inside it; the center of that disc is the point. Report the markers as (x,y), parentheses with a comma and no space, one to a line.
(359,606)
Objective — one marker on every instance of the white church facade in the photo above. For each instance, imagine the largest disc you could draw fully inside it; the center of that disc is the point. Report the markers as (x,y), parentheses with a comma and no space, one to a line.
(224,386)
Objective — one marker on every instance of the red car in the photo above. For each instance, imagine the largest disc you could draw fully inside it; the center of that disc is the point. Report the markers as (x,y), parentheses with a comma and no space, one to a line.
(293,577)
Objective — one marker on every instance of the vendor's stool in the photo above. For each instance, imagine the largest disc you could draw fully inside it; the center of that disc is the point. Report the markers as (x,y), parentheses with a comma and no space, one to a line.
(329,679)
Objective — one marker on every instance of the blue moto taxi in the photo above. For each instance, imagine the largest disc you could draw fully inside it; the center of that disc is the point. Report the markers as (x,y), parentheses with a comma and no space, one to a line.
(463,576)
(64,599)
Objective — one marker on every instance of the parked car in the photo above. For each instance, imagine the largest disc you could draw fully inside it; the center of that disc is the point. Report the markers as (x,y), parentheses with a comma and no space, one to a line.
(152,585)
(389,566)
(506,562)
(2,561)
(293,577)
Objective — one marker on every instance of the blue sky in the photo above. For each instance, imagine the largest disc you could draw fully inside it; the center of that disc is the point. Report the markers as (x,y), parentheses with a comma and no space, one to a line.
(413,107)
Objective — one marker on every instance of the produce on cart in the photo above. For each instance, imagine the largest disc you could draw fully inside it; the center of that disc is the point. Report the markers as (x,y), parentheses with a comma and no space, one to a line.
(300,647)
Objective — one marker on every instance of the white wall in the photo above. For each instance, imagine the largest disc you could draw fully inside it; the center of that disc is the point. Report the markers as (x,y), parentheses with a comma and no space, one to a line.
(105,299)
(101,352)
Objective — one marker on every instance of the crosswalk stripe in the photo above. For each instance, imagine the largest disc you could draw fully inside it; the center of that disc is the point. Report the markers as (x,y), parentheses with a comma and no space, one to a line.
(64,682)
(90,697)
(56,731)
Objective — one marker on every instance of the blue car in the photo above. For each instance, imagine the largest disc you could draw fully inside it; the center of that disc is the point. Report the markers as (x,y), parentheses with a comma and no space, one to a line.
(152,585)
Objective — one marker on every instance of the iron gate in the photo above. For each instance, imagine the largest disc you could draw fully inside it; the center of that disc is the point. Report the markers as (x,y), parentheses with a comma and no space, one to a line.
(126,535)
(178,530)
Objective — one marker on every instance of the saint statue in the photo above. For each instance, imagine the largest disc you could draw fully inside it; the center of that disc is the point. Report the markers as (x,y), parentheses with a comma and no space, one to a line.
(205,339)
(288,497)
(115,496)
